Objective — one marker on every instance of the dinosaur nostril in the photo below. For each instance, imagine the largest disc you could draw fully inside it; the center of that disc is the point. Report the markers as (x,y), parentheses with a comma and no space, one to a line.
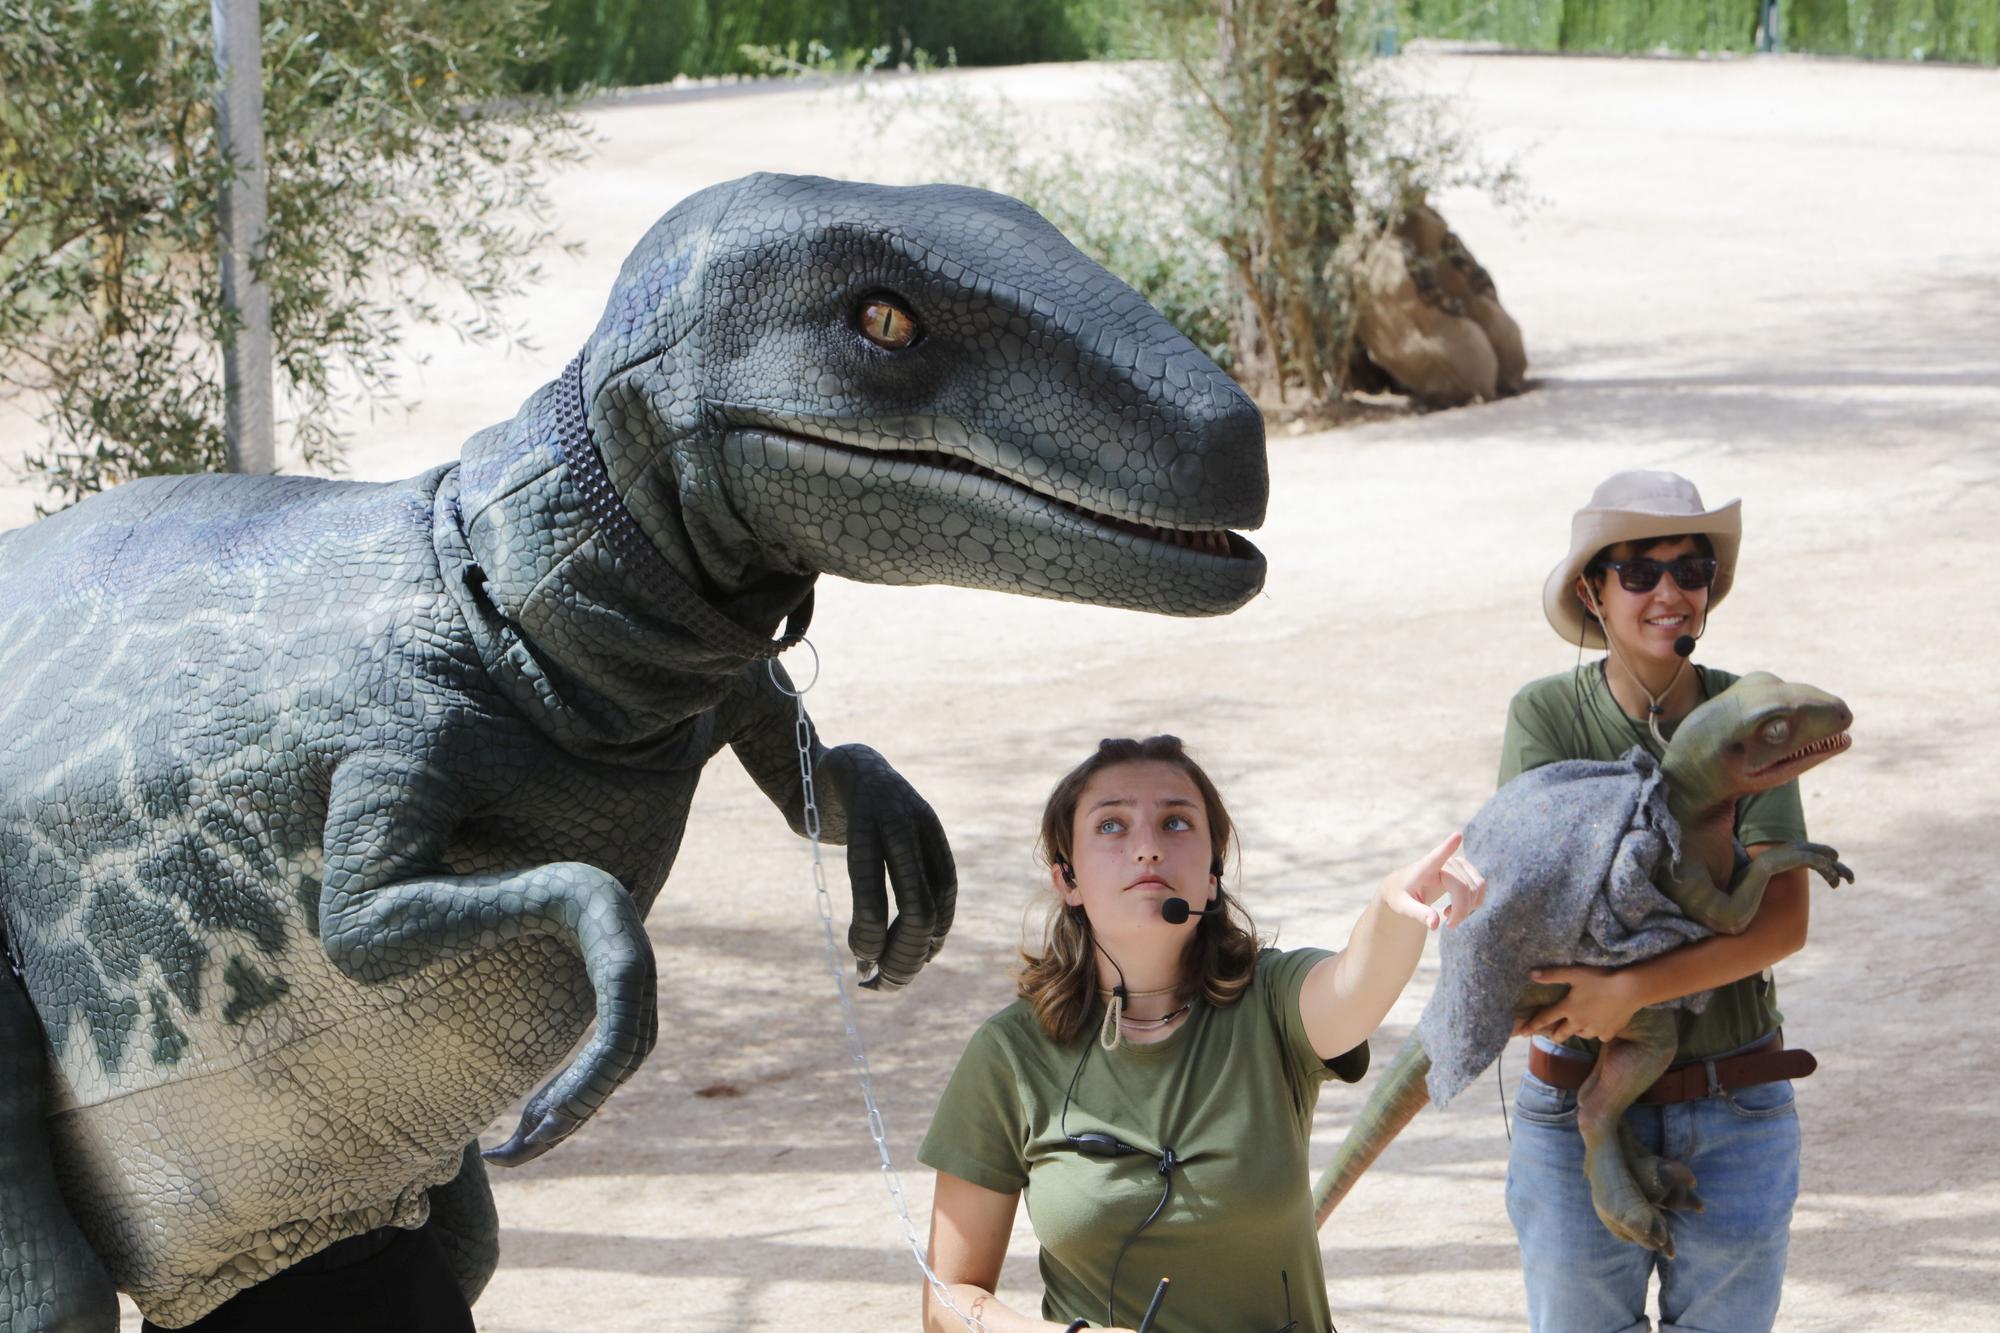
(1185,474)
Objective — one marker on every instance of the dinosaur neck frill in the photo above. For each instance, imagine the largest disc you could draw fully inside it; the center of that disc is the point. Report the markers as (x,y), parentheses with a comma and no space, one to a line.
(602,637)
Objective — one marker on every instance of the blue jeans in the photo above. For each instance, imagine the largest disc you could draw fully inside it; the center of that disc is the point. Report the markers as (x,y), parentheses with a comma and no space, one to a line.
(1728,1267)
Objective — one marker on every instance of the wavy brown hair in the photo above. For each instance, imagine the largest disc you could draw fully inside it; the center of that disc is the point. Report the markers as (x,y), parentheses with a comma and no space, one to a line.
(1060,982)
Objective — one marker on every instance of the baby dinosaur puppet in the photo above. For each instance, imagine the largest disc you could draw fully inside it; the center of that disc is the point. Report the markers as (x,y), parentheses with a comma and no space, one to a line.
(1606,864)
(330,813)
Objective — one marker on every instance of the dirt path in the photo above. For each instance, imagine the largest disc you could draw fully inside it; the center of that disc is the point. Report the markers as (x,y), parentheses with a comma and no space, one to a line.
(1777,277)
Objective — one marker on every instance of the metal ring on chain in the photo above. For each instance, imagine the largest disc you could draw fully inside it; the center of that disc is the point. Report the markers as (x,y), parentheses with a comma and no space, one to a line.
(797,691)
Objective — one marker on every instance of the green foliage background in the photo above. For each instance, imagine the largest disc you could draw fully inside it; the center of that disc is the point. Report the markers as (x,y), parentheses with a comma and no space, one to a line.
(616,42)
(1959,30)
(619,42)
(407,186)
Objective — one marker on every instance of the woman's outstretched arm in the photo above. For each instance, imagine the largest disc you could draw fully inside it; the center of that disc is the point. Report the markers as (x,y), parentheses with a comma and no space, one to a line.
(1345,997)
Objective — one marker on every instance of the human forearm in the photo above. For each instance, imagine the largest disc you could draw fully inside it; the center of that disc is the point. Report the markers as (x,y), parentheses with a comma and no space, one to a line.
(1345,997)
(969,1229)
(979,1303)
(1601,1001)
(1775,933)
(1369,974)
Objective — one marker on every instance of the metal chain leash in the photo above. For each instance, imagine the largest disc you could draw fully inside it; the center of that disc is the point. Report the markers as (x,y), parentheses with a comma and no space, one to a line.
(850,1019)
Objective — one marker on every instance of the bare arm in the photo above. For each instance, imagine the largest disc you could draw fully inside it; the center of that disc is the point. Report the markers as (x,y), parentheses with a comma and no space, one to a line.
(970,1226)
(1345,997)
(1601,1000)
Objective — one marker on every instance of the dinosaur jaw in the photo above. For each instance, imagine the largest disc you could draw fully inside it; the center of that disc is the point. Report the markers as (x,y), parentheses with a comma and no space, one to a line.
(915,516)
(1794,762)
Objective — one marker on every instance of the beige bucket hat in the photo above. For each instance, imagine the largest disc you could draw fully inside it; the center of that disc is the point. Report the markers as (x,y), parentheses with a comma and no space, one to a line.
(1634,506)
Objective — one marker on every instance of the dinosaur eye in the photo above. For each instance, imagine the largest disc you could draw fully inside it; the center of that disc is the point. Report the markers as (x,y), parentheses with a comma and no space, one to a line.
(886,324)
(1777,731)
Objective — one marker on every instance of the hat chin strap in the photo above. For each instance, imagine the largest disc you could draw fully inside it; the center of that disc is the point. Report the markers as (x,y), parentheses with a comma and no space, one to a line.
(1655,703)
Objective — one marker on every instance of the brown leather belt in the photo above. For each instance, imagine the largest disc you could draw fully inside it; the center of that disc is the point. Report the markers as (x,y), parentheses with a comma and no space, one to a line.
(1766,1062)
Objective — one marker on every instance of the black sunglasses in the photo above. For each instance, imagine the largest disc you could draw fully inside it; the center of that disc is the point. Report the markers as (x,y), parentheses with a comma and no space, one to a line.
(1643,573)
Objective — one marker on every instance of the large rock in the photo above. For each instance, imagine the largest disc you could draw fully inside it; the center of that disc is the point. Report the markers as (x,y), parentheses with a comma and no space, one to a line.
(1427,314)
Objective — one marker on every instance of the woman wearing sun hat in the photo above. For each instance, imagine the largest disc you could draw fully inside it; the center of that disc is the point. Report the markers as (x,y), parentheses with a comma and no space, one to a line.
(1647,563)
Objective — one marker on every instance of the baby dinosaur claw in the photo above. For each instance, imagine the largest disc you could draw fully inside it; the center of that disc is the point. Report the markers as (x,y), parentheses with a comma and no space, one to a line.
(1642,1225)
(1665,1182)
(1827,862)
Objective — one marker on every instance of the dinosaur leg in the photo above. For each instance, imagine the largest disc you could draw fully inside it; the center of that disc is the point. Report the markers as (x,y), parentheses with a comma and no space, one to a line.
(1395,1101)
(50,1279)
(1537,996)
(1625,1066)
(1728,911)
(467,1225)
(385,913)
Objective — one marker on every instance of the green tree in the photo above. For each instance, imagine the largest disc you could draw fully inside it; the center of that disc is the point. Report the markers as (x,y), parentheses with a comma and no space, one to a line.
(407,186)
(1257,152)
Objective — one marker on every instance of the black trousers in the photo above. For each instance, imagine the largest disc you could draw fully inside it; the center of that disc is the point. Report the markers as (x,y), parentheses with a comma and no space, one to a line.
(387,1281)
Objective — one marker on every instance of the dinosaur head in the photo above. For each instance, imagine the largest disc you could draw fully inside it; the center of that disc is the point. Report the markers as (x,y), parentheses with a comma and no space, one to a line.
(918,385)
(1758,734)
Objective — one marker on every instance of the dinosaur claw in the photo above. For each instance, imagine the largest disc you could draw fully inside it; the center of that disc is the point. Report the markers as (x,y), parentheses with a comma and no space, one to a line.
(526,1144)
(509,1153)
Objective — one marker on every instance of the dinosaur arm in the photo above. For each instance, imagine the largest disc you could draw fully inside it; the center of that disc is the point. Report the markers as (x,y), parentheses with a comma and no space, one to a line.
(1601,1001)
(893,837)
(389,908)
(759,722)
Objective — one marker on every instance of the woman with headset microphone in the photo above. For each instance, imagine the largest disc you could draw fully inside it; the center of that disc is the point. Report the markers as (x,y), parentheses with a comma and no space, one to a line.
(1647,563)
(1151,1092)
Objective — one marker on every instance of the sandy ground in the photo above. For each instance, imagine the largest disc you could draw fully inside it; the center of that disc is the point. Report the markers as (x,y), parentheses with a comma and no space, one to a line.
(1778,277)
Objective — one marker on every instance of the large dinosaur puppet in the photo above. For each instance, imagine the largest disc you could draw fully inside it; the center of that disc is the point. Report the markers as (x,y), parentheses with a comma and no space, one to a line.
(330,812)
(1606,863)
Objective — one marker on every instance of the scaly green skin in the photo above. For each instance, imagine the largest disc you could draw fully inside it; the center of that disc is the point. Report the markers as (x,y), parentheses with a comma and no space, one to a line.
(1757,735)
(330,813)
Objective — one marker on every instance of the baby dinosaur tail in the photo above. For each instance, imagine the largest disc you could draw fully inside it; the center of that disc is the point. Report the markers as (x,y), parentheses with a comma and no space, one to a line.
(1395,1101)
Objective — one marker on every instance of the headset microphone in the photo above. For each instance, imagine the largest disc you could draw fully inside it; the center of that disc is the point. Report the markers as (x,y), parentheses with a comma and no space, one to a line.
(1175,911)
(1684,645)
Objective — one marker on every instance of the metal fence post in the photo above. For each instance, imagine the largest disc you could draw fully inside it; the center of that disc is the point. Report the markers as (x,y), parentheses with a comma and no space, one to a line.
(246,350)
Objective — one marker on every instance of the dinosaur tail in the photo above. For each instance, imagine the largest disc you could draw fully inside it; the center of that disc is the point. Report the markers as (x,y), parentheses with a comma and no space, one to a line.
(1395,1101)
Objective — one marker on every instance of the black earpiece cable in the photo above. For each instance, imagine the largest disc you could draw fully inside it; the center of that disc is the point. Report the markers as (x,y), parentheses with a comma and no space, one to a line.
(1098,1144)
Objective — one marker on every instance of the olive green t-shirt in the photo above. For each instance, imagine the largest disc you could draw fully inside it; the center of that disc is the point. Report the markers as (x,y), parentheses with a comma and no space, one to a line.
(1573,716)
(1231,1091)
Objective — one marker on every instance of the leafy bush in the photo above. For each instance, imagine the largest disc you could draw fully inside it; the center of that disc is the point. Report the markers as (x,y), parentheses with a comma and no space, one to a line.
(1248,163)
(1964,30)
(405,186)
(619,42)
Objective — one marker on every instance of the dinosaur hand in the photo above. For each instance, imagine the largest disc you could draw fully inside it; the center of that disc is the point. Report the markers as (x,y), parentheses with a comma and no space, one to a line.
(1827,862)
(1815,856)
(888,826)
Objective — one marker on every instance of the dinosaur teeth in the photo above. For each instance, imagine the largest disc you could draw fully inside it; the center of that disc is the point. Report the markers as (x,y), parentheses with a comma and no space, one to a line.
(1837,741)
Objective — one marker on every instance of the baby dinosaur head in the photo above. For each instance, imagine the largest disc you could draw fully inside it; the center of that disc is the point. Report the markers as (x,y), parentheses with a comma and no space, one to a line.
(918,385)
(1758,734)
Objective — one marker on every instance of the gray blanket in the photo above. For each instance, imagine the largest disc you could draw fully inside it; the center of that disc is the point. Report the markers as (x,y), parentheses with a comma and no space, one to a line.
(1569,851)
